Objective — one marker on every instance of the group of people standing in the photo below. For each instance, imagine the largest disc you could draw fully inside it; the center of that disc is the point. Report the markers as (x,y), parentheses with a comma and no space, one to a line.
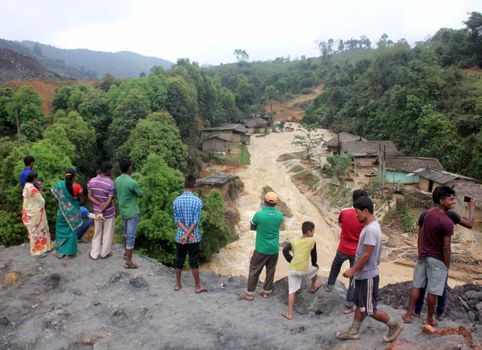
(101,191)
(360,241)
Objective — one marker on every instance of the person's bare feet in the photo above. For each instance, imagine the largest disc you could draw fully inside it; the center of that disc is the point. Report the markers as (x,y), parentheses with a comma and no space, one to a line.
(407,318)
(430,322)
(177,288)
(348,310)
(314,288)
(246,297)
(287,316)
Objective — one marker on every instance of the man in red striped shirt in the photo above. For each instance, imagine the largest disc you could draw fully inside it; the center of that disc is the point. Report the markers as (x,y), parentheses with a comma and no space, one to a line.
(101,192)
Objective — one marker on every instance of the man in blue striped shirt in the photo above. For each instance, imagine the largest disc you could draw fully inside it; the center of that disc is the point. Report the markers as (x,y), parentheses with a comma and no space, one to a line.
(187,213)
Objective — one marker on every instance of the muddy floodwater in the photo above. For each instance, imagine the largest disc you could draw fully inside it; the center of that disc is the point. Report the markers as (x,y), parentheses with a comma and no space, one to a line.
(266,170)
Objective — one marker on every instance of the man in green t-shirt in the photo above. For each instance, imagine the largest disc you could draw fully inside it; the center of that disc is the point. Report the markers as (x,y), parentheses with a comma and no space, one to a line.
(266,222)
(128,190)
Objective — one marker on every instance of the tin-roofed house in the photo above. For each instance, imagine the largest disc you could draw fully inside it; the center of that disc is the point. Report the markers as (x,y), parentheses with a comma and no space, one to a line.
(256,125)
(366,153)
(218,139)
(334,144)
(401,169)
(429,179)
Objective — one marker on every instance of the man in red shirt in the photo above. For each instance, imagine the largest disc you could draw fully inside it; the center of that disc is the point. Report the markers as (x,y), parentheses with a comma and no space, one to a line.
(434,253)
(350,233)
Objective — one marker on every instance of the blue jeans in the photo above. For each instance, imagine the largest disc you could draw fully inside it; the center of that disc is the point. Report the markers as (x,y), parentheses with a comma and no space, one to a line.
(339,259)
(441,301)
(130,229)
(83,229)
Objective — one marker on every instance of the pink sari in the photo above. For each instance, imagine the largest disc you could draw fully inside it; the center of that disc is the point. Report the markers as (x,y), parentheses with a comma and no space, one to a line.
(35,220)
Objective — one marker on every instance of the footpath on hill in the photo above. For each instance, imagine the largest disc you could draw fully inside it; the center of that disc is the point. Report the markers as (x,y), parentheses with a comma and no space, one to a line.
(83,304)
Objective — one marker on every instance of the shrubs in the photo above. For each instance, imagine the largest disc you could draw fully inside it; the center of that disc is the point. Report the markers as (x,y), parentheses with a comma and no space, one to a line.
(215,233)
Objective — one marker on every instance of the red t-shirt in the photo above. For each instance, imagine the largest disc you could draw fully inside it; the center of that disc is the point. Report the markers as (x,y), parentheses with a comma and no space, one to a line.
(77,189)
(350,231)
(436,225)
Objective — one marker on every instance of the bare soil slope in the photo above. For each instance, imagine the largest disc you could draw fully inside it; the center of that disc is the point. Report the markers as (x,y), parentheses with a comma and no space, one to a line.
(291,111)
(15,66)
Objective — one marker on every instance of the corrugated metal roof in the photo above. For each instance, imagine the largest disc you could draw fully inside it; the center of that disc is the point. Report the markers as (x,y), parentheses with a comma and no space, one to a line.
(368,148)
(411,164)
(343,137)
(441,176)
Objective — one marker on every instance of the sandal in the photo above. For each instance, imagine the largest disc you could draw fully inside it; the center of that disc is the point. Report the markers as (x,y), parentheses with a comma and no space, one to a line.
(130,266)
(246,297)
(264,294)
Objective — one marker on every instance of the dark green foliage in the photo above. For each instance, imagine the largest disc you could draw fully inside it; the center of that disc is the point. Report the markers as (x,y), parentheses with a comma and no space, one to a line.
(125,116)
(25,106)
(157,134)
(181,103)
(157,230)
(215,233)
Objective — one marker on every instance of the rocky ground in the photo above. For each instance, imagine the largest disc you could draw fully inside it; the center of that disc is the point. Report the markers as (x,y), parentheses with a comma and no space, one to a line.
(83,304)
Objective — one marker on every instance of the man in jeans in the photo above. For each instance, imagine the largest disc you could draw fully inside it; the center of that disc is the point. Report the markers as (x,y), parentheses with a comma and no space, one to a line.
(434,253)
(350,232)
(128,190)
(266,222)
(101,192)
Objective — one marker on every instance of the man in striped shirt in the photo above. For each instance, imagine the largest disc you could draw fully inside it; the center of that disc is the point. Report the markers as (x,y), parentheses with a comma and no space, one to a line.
(101,192)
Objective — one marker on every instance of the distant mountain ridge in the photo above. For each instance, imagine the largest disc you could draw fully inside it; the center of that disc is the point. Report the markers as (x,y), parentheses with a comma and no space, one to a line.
(84,63)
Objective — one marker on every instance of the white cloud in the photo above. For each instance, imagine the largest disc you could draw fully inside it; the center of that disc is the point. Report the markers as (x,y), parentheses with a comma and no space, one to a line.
(209,31)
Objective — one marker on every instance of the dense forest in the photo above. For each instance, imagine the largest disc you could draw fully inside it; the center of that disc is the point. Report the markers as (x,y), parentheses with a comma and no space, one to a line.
(426,98)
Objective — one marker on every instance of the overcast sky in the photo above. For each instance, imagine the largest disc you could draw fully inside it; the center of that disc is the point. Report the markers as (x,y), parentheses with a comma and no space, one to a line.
(208,31)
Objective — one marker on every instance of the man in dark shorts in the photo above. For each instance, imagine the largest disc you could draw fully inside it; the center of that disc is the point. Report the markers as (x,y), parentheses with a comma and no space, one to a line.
(442,300)
(434,253)
(366,275)
(187,213)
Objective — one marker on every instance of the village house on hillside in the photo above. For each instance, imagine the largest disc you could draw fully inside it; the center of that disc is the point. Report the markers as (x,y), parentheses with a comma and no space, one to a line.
(255,125)
(218,139)
(400,169)
(365,153)
(432,178)
(334,144)
(473,190)
(462,185)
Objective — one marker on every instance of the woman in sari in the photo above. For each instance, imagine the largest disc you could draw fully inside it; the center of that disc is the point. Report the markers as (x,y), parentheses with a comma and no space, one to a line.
(69,219)
(34,218)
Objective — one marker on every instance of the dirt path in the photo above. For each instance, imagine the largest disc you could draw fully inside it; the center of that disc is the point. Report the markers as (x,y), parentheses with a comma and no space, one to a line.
(266,170)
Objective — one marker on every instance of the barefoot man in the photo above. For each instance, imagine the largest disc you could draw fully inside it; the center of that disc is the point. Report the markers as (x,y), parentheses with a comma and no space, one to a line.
(302,248)
(434,253)
(187,213)
(366,275)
